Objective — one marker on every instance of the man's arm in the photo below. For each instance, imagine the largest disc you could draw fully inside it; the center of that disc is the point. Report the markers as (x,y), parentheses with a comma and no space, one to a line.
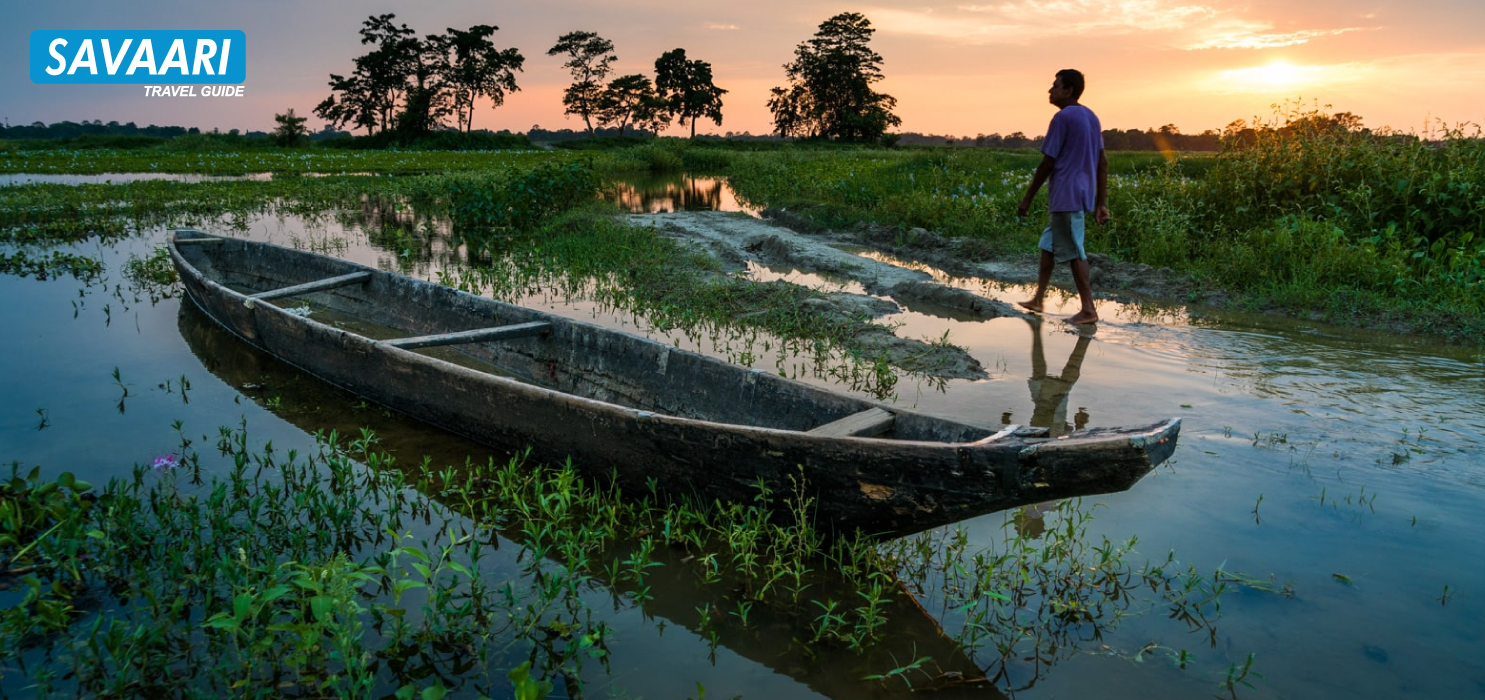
(1101,200)
(1043,171)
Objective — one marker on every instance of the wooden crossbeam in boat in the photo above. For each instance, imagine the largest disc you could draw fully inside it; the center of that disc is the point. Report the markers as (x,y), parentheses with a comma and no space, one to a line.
(200,236)
(868,423)
(307,287)
(519,330)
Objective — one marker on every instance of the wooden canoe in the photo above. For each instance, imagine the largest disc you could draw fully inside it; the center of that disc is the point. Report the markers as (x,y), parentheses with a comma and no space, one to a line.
(629,408)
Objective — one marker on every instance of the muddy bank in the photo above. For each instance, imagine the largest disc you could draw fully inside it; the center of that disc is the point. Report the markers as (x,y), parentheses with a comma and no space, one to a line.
(783,241)
(966,257)
(736,240)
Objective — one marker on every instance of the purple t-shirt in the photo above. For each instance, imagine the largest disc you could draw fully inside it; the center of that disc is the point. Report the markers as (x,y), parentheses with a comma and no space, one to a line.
(1073,139)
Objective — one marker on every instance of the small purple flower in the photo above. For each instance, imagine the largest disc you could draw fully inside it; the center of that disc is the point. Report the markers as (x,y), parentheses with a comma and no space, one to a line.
(164,462)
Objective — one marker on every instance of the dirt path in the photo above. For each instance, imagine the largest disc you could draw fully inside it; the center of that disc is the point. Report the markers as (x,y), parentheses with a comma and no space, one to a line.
(736,239)
(964,257)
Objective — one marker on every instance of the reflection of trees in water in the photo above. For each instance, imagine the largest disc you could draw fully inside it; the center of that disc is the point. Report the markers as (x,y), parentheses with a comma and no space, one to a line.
(412,240)
(669,194)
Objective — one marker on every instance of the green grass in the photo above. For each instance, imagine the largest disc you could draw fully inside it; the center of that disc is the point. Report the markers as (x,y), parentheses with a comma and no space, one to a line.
(1354,227)
(267,159)
(58,213)
(530,217)
(264,573)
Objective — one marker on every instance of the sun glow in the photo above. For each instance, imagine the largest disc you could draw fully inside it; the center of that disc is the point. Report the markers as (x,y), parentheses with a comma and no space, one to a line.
(1276,75)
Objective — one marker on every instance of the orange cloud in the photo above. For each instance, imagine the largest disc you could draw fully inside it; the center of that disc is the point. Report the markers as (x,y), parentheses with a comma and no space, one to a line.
(1186,26)
(1254,36)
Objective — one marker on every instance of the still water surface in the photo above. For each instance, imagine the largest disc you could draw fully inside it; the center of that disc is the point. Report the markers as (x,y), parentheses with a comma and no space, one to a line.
(657,194)
(1344,467)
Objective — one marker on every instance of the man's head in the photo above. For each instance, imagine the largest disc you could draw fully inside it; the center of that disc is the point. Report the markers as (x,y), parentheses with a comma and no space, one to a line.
(1066,88)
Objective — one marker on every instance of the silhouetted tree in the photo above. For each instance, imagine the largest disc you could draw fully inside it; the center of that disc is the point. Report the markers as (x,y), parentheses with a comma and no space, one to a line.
(687,89)
(351,103)
(413,84)
(630,99)
(829,93)
(290,128)
(427,98)
(590,59)
(474,68)
(369,96)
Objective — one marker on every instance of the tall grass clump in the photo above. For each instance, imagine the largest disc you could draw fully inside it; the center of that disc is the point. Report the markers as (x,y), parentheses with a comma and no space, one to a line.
(1415,206)
(953,193)
(524,200)
(1309,212)
(1313,213)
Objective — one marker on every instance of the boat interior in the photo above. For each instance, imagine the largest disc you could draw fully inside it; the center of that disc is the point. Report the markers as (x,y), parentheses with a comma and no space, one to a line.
(542,349)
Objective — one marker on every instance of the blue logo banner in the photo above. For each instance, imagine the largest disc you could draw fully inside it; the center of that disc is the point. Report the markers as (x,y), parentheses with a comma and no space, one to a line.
(154,57)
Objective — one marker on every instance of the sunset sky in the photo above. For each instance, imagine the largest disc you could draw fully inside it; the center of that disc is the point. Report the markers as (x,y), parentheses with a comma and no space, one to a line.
(975,66)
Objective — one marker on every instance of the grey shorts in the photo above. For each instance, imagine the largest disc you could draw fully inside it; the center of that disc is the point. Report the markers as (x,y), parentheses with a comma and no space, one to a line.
(1063,237)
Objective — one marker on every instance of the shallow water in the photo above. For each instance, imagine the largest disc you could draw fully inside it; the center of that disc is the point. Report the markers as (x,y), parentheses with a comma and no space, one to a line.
(17,179)
(1342,466)
(656,194)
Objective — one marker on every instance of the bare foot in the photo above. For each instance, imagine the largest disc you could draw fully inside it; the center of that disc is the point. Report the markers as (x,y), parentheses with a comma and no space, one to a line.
(1032,305)
(1083,317)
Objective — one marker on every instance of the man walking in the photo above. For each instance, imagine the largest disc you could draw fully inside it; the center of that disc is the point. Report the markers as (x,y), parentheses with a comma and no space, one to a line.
(1073,158)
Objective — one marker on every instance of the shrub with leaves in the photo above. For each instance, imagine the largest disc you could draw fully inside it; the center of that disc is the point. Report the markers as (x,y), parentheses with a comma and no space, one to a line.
(525,200)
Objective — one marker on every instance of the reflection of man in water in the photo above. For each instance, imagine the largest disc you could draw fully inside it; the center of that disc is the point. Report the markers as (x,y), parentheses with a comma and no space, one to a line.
(1048,393)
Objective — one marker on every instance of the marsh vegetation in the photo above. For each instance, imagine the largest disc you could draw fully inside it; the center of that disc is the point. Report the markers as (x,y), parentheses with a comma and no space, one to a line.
(205,561)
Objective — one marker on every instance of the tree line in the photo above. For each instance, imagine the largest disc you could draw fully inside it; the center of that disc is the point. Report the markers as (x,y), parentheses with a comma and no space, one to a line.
(1114,139)
(73,130)
(411,85)
(1166,138)
(407,86)
(682,90)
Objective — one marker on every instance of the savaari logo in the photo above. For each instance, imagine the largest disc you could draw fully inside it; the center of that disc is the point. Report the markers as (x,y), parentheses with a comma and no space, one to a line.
(117,57)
